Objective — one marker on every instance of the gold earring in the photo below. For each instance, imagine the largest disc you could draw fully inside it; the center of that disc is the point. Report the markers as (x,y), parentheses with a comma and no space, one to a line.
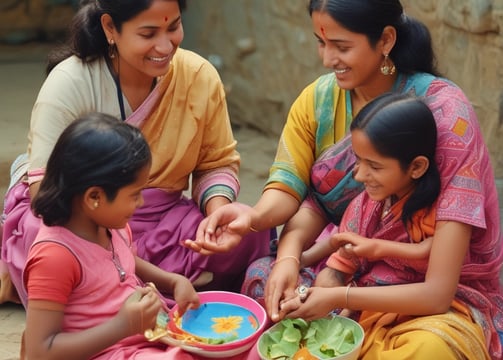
(96,204)
(387,67)
(111,48)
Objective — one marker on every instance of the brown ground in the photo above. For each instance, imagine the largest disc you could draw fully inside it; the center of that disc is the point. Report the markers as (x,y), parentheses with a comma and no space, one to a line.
(21,74)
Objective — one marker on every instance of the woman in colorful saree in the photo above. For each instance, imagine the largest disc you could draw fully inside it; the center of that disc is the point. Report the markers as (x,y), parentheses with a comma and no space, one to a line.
(386,262)
(372,47)
(123,59)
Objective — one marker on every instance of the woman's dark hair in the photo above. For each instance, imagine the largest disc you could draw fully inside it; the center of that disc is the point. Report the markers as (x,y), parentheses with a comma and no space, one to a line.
(87,39)
(413,50)
(94,150)
(402,127)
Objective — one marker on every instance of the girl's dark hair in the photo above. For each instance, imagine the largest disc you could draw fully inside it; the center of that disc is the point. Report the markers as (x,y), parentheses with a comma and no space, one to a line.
(86,36)
(94,150)
(413,50)
(402,127)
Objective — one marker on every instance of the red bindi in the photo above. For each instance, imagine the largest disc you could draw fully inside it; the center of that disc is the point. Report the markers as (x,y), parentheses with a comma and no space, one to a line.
(323,31)
(165,19)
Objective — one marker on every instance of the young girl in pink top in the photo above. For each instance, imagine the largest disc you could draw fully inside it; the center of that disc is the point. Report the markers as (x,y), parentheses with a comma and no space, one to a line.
(87,297)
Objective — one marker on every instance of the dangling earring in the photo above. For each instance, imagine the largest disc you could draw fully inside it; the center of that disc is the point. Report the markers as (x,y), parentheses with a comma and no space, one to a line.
(111,48)
(387,67)
(96,204)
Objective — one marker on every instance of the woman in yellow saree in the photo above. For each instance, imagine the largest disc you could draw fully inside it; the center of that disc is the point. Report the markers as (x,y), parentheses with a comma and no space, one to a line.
(370,47)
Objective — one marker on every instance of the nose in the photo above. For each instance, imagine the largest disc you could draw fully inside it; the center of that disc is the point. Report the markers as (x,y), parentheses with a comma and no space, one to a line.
(359,172)
(329,56)
(165,45)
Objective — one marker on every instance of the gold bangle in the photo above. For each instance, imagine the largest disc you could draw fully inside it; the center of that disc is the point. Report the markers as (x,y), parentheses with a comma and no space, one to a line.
(287,257)
(347,295)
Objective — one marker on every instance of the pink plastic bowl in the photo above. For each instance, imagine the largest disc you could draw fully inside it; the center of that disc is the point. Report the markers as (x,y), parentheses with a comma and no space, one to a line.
(240,345)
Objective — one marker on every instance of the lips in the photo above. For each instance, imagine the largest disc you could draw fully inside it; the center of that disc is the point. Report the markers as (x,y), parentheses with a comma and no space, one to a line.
(370,188)
(158,59)
(341,71)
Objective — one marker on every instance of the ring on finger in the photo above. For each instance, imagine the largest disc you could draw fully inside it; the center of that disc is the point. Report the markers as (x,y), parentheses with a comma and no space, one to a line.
(302,291)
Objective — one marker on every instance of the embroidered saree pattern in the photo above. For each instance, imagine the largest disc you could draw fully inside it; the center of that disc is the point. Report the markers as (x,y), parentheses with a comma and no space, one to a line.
(468,195)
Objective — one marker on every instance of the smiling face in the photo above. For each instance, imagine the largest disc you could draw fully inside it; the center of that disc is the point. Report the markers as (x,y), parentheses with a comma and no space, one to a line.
(355,62)
(382,176)
(147,42)
(114,214)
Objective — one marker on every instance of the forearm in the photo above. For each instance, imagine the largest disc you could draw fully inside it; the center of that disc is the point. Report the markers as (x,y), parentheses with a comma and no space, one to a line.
(274,208)
(315,253)
(300,233)
(79,345)
(164,281)
(407,299)
(389,248)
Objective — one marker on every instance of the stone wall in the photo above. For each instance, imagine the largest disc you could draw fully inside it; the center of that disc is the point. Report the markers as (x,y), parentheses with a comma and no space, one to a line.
(22,21)
(468,37)
(266,53)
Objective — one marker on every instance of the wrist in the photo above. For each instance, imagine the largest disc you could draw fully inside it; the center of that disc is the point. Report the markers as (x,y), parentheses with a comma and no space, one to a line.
(214,203)
(285,258)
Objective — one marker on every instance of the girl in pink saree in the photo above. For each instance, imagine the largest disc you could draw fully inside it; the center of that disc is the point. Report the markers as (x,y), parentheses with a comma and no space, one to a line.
(124,59)
(412,292)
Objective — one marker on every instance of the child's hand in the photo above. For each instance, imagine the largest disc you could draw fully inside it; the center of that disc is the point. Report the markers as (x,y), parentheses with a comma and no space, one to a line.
(140,310)
(185,295)
(352,245)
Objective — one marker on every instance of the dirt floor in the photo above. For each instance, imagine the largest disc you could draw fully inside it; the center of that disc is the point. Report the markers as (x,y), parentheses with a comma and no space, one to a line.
(21,74)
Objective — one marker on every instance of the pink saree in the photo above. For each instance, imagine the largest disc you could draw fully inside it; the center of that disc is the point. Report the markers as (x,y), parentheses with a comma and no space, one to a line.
(478,302)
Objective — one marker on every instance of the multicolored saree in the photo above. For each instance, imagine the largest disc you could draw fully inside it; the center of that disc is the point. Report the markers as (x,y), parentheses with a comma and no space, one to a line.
(314,163)
(384,332)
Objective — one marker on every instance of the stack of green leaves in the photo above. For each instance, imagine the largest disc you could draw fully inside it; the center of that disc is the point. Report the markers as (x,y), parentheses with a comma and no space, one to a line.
(324,338)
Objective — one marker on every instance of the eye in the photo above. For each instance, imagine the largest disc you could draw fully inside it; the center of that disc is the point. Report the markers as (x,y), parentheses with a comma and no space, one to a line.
(148,35)
(174,27)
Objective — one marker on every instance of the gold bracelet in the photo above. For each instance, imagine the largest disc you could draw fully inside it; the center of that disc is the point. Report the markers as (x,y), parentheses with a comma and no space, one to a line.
(285,258)
(347,295)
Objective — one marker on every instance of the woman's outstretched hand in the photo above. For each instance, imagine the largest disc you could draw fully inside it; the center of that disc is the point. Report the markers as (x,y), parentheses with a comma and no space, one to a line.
(222,230)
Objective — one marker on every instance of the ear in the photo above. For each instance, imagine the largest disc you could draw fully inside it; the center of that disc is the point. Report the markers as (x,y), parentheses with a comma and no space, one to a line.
(93,197)
(388,39)
(418,167)
(108,26)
